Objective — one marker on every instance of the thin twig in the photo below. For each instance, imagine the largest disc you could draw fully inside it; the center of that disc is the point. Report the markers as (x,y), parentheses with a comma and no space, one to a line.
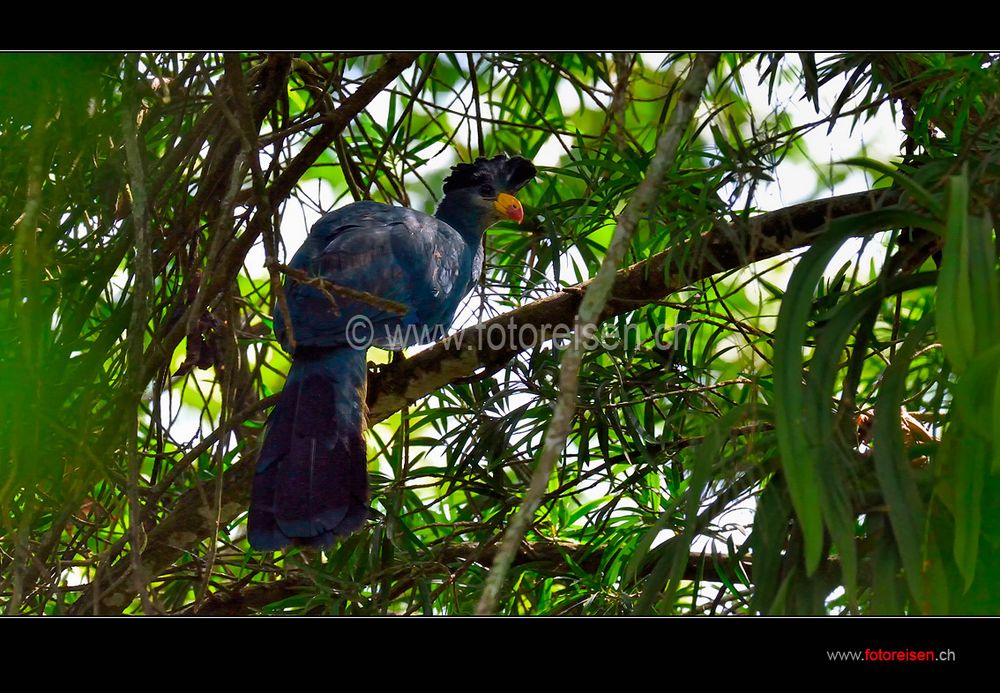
(141,289)
(328,288)
(588,315)
(229,264)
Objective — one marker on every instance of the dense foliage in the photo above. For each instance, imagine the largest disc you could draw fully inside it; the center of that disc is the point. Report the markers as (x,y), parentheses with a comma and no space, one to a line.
(759,429)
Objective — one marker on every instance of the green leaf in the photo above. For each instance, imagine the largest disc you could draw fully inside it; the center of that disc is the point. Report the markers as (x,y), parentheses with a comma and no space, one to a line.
(919,193)
(887,596)
(921,562)
(956,323)
(798,455)
(970,475)
(995,466)
(975,393)
(767,541)
(984,286)
(834,459)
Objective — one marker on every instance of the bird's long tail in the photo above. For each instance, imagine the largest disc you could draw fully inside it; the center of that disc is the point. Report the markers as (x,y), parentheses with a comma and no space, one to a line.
(311,483)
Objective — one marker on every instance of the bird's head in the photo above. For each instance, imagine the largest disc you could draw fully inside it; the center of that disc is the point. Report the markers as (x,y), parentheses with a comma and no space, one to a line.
(490,185)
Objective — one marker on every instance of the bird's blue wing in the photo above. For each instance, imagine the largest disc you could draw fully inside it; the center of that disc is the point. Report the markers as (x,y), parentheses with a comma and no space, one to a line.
(398,254)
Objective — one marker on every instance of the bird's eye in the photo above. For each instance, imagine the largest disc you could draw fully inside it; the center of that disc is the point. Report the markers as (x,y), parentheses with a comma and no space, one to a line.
(487,191)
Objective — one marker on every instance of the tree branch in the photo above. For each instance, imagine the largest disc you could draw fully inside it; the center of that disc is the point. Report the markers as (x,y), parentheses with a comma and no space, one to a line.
(142,287)
(722,249)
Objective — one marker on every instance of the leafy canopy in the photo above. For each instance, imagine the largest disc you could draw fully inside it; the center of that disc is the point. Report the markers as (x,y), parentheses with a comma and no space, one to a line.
(790,408)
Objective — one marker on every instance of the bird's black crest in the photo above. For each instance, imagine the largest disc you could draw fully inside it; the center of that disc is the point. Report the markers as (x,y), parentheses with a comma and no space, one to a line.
(507,174)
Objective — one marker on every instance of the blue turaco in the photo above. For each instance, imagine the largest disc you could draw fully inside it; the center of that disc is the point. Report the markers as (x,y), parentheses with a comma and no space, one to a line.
(311,482)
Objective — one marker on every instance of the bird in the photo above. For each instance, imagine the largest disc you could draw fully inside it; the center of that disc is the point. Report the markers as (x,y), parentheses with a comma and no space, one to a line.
(311,481)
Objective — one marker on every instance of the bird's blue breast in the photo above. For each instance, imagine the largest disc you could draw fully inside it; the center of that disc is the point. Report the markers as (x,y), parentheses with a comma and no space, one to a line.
(407,257)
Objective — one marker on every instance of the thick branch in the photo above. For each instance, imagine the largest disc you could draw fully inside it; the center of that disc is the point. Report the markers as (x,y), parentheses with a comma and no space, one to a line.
(722,249)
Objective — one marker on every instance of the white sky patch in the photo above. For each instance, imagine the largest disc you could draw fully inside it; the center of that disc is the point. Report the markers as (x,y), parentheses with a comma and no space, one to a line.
(550,153)
(296,221)
(182,420)
(796,181)
(378,108)
(570,100)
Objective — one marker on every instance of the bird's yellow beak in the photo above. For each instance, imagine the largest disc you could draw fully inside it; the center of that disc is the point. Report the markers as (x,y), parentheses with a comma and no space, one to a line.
(509,207)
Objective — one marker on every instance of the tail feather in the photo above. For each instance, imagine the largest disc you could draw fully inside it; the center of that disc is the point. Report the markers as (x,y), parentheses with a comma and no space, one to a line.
(311,482)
